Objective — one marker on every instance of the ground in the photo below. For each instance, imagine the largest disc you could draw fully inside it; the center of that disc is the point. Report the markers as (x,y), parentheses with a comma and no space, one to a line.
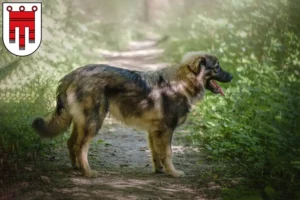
(121,156)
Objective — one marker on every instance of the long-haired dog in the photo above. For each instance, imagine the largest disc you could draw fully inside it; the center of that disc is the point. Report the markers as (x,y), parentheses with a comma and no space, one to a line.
(156,102)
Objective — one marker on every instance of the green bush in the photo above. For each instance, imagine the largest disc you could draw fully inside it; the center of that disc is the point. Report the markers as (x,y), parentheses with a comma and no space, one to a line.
(254,131)
(18,108)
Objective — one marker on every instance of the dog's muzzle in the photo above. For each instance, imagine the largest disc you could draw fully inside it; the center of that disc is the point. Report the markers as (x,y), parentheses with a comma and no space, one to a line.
(221,76)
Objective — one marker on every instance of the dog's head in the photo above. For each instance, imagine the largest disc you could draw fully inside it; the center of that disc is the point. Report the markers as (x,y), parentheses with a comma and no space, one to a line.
(206,67)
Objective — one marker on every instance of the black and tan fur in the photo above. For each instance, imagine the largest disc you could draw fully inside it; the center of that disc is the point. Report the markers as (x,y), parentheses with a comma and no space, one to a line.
(156,102)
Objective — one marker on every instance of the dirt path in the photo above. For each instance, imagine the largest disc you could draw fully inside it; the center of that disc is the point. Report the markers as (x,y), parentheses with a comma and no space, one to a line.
(121,156)
(123,160)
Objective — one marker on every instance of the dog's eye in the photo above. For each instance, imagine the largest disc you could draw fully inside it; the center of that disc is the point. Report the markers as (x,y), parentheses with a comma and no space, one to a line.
(217,68)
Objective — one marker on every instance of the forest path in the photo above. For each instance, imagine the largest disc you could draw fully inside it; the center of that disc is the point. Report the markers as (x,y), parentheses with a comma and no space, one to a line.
(121,156)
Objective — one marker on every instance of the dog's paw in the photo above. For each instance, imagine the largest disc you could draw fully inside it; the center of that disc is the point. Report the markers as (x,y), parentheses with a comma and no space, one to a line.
(91,174)
(177,174)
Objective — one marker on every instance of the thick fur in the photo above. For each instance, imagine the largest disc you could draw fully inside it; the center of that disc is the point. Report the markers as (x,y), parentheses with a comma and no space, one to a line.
(156,102)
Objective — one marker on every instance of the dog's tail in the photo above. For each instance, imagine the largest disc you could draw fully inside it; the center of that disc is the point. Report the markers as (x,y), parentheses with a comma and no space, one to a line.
(58,122)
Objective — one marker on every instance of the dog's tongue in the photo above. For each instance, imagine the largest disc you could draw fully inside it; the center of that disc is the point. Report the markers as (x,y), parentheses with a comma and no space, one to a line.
(215,84)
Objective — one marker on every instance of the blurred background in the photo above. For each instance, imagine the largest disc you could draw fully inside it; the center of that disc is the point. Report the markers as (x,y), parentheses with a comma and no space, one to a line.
(252,135)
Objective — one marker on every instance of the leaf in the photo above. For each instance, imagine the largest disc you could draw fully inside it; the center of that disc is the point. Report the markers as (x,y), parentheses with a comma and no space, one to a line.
(107,144)
(270,192)
(278,117)
(100,141)
(211,124)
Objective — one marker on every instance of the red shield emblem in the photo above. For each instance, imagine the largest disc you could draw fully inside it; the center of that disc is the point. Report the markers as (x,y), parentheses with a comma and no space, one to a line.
(22,27)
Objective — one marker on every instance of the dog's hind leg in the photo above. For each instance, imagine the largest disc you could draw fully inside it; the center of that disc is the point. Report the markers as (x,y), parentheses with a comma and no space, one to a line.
(82,153)
(162,145)
(94,117)
(71,146)
(86,133)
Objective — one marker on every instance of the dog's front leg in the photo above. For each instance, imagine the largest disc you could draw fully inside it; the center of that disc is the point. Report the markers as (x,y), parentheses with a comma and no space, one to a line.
(162,146)
(157,164)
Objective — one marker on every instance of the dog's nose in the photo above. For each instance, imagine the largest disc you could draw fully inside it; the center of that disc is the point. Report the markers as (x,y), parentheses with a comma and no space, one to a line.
(230,77)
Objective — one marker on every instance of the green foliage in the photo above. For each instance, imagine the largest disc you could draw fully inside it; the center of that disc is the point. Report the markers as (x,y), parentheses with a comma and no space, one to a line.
(17,116)
(240,193)
(27,84)
(254,131)
(255,127)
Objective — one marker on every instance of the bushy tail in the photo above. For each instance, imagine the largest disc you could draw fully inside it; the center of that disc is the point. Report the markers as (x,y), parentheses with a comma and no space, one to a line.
(56,124)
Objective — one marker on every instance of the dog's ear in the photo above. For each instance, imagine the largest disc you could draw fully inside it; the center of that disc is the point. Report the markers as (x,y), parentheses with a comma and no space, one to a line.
(196,64)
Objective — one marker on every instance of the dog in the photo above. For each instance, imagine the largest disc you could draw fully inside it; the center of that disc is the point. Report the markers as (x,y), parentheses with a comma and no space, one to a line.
(154,101)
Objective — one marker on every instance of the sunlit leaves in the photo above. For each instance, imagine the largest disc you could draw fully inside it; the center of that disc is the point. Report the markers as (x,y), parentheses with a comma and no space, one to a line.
(256,125)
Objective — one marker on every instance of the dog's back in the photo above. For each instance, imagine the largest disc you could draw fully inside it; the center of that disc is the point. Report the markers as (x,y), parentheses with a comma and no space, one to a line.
(127,94)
